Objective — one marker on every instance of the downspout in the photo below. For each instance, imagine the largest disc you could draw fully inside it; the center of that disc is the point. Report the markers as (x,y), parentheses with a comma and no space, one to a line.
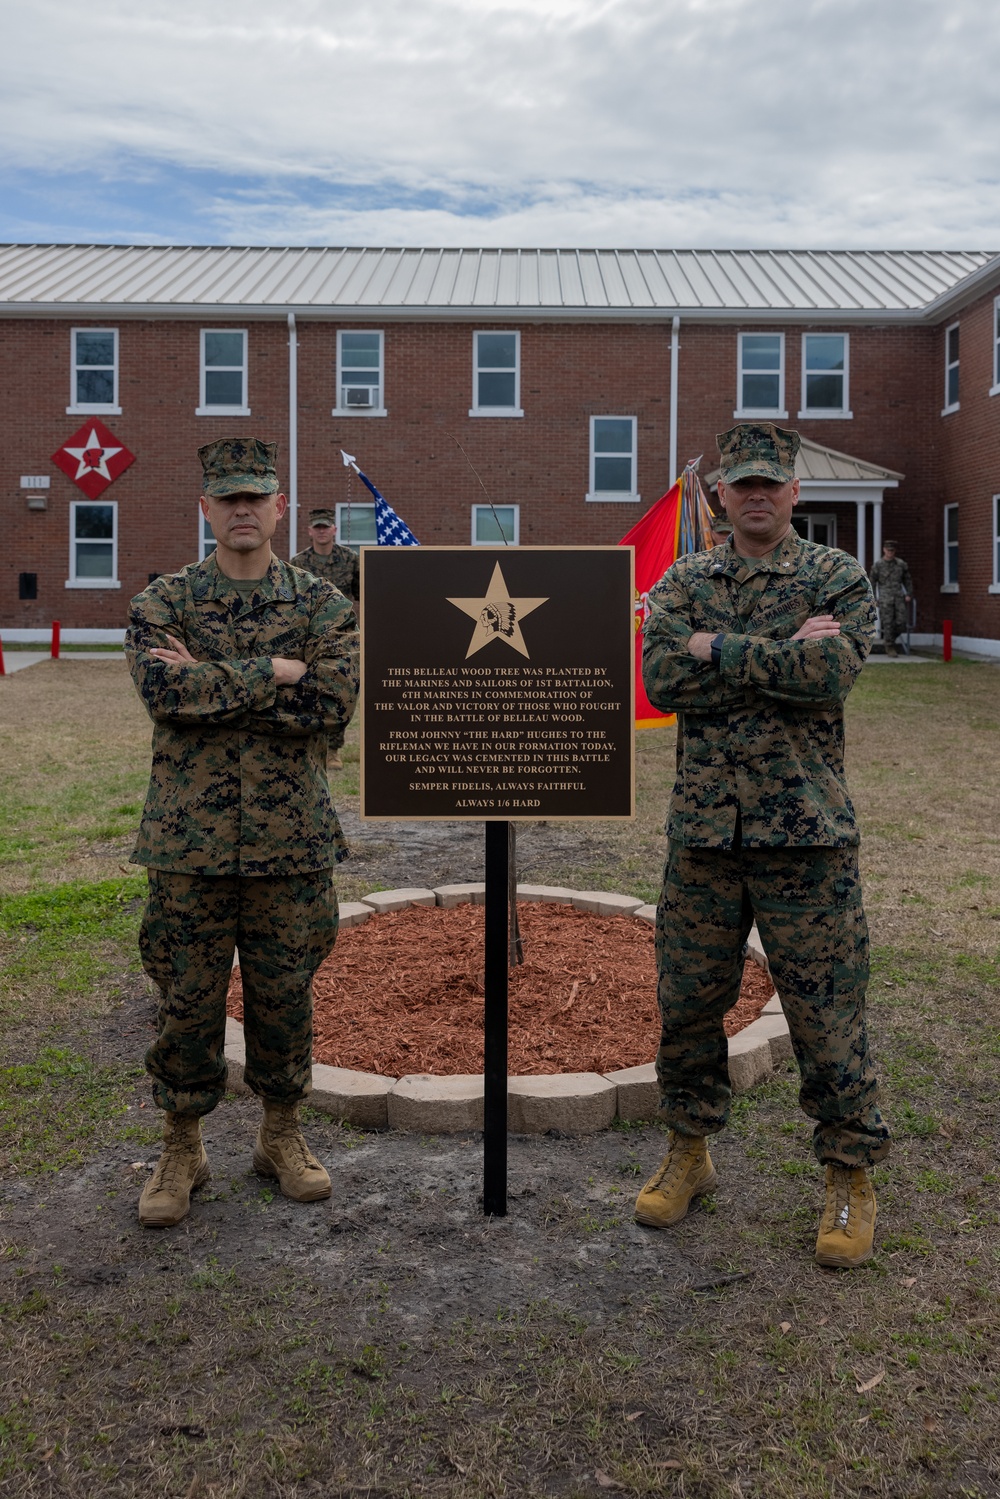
(293,437)
(674,350)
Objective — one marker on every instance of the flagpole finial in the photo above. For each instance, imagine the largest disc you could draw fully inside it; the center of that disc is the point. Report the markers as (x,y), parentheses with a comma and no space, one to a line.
(348,459)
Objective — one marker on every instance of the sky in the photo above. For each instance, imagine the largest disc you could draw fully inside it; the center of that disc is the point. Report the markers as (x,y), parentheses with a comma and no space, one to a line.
(631,123)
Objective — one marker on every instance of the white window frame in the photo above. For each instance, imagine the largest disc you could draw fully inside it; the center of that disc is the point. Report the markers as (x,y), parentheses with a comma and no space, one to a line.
(96,408)
(995,387)
(73,581)
(776,413)
(951,364)
(378,408)
(614,496)
(807,515)
(206,543)
(947,586)
(202,409)
(343,532)
(824,414)
(995,585)
(475,409)
(512,541)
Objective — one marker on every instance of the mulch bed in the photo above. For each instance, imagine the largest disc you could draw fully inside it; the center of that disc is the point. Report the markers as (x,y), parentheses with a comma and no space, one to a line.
(403,993)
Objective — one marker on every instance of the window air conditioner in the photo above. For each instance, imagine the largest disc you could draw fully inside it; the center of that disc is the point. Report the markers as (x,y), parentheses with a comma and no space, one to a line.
(358,395)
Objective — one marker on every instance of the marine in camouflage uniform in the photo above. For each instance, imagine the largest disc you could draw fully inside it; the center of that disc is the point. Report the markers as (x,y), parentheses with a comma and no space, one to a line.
(339,565)
(246,680)
(756,654)
(893,588)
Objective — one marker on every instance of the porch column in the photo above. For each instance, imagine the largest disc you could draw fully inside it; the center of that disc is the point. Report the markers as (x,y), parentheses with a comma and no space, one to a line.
(877,528)
(862,539)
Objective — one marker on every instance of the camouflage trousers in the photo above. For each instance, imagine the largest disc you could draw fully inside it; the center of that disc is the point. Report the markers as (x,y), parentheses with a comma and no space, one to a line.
(892,616)
(283,926)
(807,903)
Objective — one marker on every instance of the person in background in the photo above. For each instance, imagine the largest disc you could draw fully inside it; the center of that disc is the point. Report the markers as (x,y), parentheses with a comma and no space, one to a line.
(324,557)
(893,589)
(720,530)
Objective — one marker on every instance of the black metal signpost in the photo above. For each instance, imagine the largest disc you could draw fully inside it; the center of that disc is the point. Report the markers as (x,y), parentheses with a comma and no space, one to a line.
(497,685)
(495,1020)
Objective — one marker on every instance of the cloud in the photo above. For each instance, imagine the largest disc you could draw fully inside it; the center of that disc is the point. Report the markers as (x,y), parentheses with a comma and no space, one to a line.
(640,122)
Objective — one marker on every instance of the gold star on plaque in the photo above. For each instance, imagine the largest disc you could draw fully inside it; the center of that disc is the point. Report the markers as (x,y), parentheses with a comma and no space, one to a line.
(497,616)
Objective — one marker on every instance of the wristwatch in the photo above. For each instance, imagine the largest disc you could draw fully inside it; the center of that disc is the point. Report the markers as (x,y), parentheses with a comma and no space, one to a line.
(716,649)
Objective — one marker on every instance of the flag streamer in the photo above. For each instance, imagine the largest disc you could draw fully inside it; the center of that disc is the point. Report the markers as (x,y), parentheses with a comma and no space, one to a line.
(679,522)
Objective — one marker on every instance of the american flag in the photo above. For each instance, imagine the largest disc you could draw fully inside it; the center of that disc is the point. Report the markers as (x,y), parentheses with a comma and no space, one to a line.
(390,530)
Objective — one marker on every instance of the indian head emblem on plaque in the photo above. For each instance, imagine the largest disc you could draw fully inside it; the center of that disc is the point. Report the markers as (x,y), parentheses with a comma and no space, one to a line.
(497,616)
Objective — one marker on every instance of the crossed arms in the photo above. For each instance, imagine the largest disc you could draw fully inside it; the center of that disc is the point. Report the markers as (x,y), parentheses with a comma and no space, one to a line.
(815,664)
(262,694)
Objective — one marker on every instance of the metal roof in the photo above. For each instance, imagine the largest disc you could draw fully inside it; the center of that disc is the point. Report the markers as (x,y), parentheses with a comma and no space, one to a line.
(133,280)
(816,464)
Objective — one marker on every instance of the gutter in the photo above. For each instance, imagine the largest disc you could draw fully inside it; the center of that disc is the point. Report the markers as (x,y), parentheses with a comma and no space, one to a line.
(239,312)
(675,328)
(293,437)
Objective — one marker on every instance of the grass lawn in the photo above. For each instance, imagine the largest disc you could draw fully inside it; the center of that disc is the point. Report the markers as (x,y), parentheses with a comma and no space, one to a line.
(774,1380)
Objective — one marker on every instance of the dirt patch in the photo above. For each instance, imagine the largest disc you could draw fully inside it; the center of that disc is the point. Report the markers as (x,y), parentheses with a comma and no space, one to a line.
(404,993)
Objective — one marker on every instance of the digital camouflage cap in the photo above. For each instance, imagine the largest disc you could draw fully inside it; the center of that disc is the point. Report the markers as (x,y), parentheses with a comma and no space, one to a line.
(322,517)
(757,449)
(238,465)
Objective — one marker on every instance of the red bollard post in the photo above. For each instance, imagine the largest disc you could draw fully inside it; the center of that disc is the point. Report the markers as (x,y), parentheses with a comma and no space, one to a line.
(56,632)
(946,627)
(3,669)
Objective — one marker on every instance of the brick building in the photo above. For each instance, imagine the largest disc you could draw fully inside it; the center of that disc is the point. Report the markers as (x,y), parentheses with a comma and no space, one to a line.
(573,384)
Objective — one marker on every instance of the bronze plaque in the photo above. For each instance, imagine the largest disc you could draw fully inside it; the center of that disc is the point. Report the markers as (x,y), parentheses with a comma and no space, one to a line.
(497,682)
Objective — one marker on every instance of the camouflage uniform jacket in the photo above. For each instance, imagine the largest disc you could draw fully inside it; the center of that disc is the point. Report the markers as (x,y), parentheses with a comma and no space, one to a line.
(891,575)
(238,783)
(341,567)
(761,735)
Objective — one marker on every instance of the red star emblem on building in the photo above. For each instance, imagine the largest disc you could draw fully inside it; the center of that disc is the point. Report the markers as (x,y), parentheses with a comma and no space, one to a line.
(93,457)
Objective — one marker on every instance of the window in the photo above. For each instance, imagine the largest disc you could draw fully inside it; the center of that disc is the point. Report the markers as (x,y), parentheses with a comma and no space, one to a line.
(496,374)
(819,528)
(824,375)
(761,375)
(356,526)
(995,585)
(93,545)
(996,348)
(495,525)
(206,539)
(950,584)
(223,372)
(612,458)
(359,374)
(950,369)
(94,376)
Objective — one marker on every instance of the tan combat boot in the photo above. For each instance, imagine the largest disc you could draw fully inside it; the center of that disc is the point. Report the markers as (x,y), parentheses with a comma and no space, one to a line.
(685,1172)
(166,1197)
(281,1151)
(847,1227)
